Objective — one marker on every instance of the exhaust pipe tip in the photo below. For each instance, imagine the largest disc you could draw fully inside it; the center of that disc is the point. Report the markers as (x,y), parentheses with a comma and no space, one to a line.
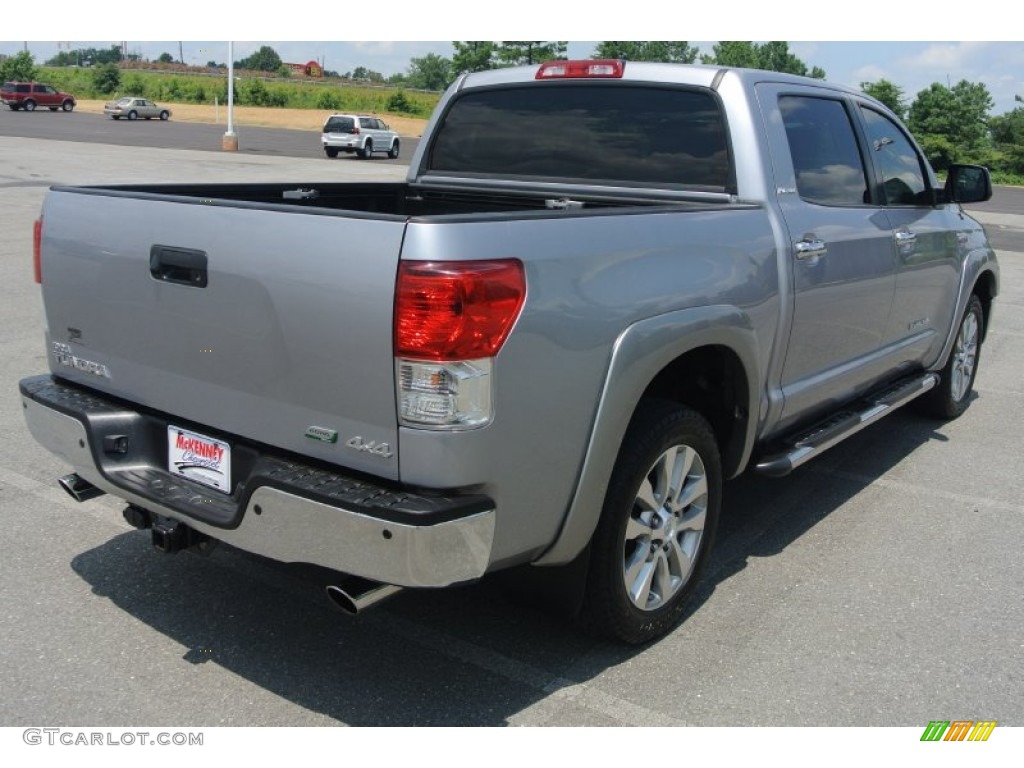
(78,488)
(356,596)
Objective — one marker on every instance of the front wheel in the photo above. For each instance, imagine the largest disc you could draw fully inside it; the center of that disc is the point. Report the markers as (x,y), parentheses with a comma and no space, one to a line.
(68,105)
(657,524)
(165,115)
(953,393)
(132,115)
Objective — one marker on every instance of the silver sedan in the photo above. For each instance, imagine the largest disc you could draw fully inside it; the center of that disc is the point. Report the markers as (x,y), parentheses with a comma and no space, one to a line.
(133,107)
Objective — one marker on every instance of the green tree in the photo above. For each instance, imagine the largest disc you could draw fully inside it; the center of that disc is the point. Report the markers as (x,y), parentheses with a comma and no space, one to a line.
(19,67)
(106,78)
(362,73)
(774,56)
(165,58)
(952,123)
(429,73)
(264,60)
(889,94)
(514,52)
(1008,139)
(472,56)
(678,51)
(399,102)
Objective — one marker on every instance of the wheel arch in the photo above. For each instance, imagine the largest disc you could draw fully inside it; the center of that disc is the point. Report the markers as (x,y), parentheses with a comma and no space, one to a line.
(682,356)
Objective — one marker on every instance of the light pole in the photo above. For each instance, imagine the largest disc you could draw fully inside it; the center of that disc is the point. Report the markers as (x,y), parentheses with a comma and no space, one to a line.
(230,141)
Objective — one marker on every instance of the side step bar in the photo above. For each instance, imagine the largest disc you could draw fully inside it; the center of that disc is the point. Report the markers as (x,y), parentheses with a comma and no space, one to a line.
(839,426)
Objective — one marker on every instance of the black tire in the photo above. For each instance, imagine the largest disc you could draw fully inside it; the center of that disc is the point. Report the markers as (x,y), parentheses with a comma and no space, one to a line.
(68,105)
(53,109)
(950,398)
(367,151)
(29,106)
(395,149)
(165,115)
(647,538)
(133,115)
(14,107)
(331,151)
(115,117)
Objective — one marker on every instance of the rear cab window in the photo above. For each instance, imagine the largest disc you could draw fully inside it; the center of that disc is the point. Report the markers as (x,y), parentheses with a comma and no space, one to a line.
(612,133)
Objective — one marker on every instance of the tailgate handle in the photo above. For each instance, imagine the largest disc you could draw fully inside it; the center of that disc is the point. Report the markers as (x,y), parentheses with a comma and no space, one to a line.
(178,265)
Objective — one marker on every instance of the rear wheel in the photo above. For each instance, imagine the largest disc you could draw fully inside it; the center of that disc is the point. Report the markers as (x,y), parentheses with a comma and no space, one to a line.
(30,106)
(367,151)
(953,393)
(657,524)
(68,105)
(395,148)
(331,151)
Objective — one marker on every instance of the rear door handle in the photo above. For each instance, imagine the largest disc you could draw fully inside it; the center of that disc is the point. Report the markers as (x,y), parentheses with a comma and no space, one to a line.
(183,266)
(810,248)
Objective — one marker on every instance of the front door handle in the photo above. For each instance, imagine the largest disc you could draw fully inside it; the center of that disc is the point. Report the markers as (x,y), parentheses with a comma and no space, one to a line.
(905,237)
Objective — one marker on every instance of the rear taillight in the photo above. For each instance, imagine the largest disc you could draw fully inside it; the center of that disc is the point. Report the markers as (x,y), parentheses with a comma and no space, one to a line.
(597,68)
(37,242)
(456,310)
(451,320)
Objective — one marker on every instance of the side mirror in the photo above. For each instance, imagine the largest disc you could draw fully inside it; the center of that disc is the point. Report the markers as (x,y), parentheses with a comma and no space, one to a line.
(968,184)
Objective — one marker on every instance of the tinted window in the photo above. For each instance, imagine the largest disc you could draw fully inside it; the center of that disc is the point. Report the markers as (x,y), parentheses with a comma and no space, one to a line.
(601,132)
(339,125)
(829,169)
(902,175)
(23,88)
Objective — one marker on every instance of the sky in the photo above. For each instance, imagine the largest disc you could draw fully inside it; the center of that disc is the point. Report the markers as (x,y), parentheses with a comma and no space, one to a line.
(912,65)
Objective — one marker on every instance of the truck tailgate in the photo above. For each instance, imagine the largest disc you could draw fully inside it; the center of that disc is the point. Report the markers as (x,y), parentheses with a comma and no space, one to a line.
(273,324)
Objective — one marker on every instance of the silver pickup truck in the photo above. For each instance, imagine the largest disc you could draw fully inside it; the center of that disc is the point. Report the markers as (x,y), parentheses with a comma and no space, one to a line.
(604,289)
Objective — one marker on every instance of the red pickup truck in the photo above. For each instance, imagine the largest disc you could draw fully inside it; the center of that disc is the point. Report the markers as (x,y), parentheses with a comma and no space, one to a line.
(28,96)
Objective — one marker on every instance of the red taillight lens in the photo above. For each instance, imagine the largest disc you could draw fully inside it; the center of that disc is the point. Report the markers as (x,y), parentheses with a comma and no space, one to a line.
(456,310)
(581,68)
(37,242)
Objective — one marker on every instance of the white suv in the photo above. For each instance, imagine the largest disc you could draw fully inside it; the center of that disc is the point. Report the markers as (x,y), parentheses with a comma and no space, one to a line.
(358,133)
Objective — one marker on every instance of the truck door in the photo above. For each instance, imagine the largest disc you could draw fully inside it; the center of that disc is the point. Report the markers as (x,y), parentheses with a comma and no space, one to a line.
(928,254)
(841,253)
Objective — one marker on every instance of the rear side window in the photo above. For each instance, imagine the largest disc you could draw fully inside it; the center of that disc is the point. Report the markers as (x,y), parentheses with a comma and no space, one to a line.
(339,125)
(23,88)
(612,133)
(829,168)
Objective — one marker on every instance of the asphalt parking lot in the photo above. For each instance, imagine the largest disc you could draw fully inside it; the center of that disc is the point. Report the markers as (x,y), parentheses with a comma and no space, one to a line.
(879,585)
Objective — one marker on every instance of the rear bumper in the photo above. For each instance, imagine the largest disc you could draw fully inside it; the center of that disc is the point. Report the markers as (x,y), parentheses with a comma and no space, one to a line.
(281,507)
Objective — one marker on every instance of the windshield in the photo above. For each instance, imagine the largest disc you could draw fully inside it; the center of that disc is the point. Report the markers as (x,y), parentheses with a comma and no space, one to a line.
(615,133)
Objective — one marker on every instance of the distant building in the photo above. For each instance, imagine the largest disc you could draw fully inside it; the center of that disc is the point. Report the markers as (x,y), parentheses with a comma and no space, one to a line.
(309,69)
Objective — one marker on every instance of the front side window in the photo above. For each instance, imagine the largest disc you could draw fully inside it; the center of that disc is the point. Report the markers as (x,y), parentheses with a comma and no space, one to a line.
(828,166)
(600,132)
(903,177)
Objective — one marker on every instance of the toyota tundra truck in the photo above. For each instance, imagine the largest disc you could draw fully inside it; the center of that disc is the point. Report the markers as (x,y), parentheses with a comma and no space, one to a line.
(603,289)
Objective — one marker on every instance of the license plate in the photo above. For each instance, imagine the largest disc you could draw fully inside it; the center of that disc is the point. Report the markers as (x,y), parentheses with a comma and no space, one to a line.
(199,458)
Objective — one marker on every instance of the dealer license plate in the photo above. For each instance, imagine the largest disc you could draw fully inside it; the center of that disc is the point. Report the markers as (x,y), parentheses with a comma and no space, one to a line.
(199,458)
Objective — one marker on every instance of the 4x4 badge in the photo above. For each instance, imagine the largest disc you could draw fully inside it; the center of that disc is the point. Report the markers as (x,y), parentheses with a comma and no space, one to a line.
(370,446)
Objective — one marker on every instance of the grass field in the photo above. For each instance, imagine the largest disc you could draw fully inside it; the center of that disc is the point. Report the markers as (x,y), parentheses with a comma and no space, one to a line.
(267,117)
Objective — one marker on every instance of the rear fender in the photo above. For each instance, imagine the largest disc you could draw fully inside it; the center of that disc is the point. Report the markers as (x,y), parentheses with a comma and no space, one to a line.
(640,353)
